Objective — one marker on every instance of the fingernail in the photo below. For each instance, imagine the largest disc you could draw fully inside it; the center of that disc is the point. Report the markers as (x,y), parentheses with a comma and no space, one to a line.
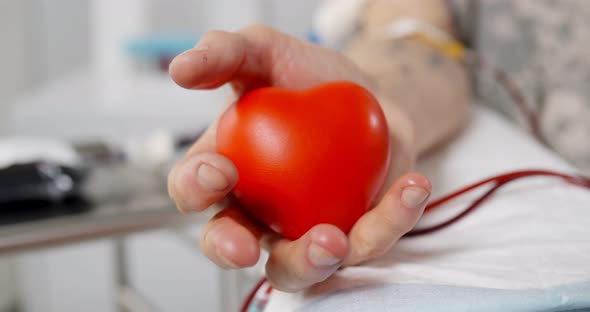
(413,197)
(184,56)
(211,178)
(320,257)
(212,239)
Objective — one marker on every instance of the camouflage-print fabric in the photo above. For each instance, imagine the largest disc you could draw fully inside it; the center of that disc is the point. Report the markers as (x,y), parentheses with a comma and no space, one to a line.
(544,45)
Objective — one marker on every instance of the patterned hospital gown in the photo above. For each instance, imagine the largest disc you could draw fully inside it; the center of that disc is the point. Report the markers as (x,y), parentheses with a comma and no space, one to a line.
(544,46)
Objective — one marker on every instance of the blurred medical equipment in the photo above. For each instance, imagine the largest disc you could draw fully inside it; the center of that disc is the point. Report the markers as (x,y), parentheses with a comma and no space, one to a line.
(334,21)
(37,170)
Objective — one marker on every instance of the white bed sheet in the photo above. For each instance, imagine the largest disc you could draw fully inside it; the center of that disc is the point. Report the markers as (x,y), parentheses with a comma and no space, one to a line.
(527,248)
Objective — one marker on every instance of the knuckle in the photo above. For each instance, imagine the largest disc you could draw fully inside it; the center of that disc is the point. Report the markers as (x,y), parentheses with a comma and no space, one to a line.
(171,184)
(276,283)
(212,33)
(367,248)
(395,227)
(284,276)
(203,242)
(258,30)
(204,245)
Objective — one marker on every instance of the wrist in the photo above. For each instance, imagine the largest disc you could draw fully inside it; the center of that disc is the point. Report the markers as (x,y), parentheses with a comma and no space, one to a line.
(402,135)
(401,126)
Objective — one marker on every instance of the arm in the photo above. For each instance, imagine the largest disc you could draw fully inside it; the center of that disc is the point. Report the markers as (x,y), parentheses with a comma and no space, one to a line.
(429,87)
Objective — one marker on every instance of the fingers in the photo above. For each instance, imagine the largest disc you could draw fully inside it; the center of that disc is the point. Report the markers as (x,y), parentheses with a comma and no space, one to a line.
(201,179)
(230,240)
(211,63)
(220,57)
(396,214)
(294,265)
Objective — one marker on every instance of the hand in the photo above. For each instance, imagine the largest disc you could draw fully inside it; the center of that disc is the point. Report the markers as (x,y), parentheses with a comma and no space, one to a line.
(259,56)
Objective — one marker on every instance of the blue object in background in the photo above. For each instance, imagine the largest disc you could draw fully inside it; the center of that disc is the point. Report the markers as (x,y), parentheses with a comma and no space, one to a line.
(313,38)
(158,46)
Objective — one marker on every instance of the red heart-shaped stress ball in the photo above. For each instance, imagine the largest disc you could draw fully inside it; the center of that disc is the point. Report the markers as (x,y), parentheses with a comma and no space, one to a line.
(306,157)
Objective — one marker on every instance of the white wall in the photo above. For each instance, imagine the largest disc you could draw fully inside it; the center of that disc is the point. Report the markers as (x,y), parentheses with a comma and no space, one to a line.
(178,16)
(62,29)
(14,56)
(15,77)
(196,16)
(49,38)
(293,17)
(41,40)
(241,14)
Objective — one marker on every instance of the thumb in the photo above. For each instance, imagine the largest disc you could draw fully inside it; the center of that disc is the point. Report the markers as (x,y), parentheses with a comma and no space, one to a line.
(221,57)
(397,213)
(259,56)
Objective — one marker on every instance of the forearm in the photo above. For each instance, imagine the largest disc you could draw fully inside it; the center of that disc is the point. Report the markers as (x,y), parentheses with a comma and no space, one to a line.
(429,87)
